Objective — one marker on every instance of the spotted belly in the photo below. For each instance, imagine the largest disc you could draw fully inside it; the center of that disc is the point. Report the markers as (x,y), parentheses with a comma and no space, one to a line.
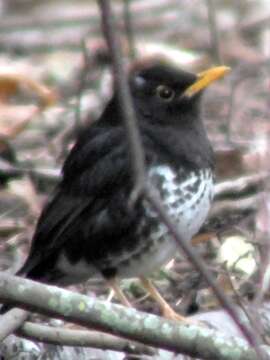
(187,198)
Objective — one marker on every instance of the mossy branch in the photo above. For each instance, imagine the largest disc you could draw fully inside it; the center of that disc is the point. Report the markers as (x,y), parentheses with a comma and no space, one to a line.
(196,341)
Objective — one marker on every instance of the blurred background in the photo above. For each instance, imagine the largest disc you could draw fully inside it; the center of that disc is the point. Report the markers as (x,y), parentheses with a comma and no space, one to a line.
(55,76)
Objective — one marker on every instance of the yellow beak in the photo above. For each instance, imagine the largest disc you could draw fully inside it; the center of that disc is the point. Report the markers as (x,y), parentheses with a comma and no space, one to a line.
(206,78)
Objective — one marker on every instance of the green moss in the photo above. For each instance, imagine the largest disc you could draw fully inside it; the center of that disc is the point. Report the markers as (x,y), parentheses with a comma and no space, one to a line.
(82,306)
(53,303)
(167,330)
(151,322)
(107,314)
(65,304)
(190,332)
(22,288)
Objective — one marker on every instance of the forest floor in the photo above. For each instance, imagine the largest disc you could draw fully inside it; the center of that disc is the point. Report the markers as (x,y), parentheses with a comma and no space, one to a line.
(60,45)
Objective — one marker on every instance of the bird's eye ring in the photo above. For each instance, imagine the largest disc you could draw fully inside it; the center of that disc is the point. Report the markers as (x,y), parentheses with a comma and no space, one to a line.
(165,92)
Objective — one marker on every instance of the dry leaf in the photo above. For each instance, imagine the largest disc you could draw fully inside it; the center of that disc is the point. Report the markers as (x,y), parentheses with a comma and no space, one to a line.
(14,118)
(10,83)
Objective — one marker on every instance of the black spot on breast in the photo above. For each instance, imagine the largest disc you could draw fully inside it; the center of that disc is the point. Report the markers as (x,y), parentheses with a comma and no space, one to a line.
(193,187)
(179,202)
(197,183)
(161,238)
(164,193)
(158,181)
(179,193)
(181,176)
(175,205)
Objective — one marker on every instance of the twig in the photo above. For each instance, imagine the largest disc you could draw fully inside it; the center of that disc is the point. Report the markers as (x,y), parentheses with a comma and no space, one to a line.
(11,321)
(124,98)
(230,113)
(241,184)
(129,29)
(245,206)
(9,170)
(253,23)
(213,30)
(253,319)
(82,83)
(86,338)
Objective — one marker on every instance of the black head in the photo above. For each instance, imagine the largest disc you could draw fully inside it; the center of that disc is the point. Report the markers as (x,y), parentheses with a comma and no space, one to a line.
(167,105)
(167,95)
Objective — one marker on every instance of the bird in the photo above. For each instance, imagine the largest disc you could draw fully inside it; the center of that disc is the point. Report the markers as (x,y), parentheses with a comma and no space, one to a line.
(88,228)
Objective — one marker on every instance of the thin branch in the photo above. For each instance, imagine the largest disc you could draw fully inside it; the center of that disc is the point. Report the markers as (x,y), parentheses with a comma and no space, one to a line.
(85,338)
(129,29)
(10,170)
(213,30)
(230,113)
(241,184)
(124,98)
(11,321)
(82,83)
(196,341)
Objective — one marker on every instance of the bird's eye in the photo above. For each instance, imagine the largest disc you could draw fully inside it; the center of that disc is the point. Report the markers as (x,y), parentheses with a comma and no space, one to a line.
(165,92)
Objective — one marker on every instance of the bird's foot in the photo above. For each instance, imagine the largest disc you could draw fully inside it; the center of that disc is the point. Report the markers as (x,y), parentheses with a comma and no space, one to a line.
(170,314)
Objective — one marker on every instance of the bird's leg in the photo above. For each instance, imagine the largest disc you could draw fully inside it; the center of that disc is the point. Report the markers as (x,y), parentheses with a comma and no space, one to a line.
(202,238)
(166,309)
(113,283)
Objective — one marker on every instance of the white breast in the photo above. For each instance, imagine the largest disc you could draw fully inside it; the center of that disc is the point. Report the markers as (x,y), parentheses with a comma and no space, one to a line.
(187,199)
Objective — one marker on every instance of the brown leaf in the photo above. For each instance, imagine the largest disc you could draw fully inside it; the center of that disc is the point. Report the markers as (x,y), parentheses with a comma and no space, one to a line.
(15,118)
(10,83)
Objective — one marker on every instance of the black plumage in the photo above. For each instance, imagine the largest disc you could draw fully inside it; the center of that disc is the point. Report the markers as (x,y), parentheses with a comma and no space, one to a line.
(88,222)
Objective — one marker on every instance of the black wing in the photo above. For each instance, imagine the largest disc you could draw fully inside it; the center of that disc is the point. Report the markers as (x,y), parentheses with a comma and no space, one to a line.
(89,211)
